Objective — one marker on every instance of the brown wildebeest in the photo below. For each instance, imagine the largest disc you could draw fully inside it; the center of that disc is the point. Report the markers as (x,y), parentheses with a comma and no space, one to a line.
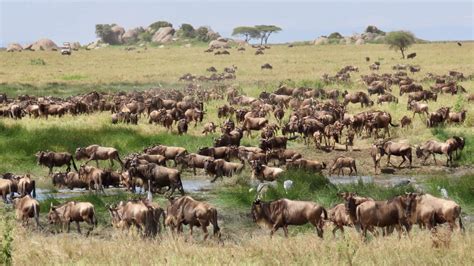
(188,211)
(70,180)
(405,121)
(209,127)
(27,207)
(459,117)
(343,162)
(182,126)
(266,66)
(423,215)
(375,154)
(438,117)
(340,216)
(194,161)
(310,165)
(73,211)
(8,185)
(27,186)
(170,153)
(396,149)
(358,97)
(278,142)
(418,108)
(284,212)
(51,159)
(195,115)
(92,176)
(387,97)
(265,173)
(153,158)
(256,123)
(159,176)
(381,120)
(142,214)
(96,152)
(380,214)
(411,55)
(220,168)
(446,211)
(283,156)
(432,147)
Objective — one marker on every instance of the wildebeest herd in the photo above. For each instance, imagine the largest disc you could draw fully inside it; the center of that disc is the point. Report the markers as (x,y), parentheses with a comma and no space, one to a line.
(315,115)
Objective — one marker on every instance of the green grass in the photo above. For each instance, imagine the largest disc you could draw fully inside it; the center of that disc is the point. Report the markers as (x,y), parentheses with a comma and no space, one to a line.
(315,187)
(19,144)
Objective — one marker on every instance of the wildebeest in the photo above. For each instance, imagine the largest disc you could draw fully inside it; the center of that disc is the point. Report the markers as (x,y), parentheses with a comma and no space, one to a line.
(26,207)
(141,213)
(397,149)
(194,161)
(182,126)
(8,185)
(159,176)
(405,121)
(266,66)
(340,216)
(445,211)
(458,117)
(70,180)
(73,211)
(96,152)
(27,186)
(265,173)
(309,165)
(358,97)
(343,162)
(438,117)
(170,152)
(432,147)
(188,211)
(51,159)
(220,168)
(278,142)
(370,213)
(411,55)
(284,212)
(92,176)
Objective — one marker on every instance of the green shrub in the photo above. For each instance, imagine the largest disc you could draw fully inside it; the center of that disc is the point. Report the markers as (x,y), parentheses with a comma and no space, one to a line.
(37,62)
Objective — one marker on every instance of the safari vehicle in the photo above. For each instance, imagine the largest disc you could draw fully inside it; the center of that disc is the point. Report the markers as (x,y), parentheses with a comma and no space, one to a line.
(66,49)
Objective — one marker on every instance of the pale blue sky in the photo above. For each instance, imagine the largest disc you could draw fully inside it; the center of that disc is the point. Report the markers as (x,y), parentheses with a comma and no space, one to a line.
(27,21)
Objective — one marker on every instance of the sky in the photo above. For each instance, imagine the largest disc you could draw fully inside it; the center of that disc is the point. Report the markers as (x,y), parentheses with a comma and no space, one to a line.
(28,21)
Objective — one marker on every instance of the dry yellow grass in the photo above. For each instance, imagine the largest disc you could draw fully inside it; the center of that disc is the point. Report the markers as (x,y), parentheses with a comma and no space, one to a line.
(303,249)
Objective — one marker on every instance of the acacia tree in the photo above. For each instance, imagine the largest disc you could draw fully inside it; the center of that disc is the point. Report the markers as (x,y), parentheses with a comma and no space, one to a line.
(266,31)
(105,33)
(248,32)
(400,40)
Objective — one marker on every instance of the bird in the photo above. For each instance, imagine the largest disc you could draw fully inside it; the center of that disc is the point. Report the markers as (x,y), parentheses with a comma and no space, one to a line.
(459,44)
(149,196)
(443,191)
(287,185)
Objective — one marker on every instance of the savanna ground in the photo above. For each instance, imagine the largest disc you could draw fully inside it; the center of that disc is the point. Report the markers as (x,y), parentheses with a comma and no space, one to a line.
(114,69)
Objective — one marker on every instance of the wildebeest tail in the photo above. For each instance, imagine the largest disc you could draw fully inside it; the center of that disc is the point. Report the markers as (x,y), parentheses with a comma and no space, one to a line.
(393,125)
(216,227)
(73,163)
(94,218)
(461,226)
(151,227)
(293,138)
(33,184)
(325,213)
(36,215)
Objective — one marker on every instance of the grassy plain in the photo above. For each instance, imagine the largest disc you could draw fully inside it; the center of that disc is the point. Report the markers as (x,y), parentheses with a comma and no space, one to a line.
(114,69)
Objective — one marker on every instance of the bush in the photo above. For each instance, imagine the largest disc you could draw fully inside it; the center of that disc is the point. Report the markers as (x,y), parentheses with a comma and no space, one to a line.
(105,33)
(187,31)
(145,36)
(335,35)
(37,62)
(202,34)
(155,26)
